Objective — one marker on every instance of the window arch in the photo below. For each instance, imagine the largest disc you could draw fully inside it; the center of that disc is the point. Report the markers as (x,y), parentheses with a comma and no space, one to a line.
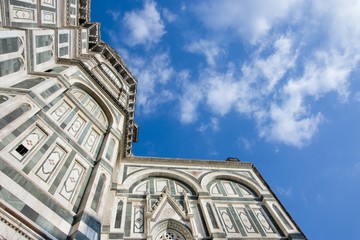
(223,187)
(119,212)
(91,105)
(155,185)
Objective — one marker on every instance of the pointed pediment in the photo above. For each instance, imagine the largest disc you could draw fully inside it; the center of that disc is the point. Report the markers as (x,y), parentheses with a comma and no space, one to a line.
(167,208)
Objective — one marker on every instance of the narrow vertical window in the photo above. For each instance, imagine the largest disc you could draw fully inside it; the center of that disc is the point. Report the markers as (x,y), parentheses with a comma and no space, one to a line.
(98,192)
(110,149)
(118,216)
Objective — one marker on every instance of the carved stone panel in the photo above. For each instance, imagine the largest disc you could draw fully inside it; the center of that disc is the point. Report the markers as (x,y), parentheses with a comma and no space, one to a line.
(227,220)
(72,181)
(139,220)
(48,17)
(245,220)
(50,164)
(19,14)
(61,111)
(28,144)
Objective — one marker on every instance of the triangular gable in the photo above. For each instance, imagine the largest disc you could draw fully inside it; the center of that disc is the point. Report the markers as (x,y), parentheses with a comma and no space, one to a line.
(167,208)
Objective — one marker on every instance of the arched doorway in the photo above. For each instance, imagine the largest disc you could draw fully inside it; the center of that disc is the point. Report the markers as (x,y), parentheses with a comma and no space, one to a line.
(171,230)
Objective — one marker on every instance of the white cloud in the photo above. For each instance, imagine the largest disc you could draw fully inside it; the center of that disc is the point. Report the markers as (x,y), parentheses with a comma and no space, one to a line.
(245,143)
(251,20)
(357,96)
(144,26)
(299,52)
(208,48)
(155,72)
(168,15)
(114,14)
(302,56)
(189,102)
(213,125)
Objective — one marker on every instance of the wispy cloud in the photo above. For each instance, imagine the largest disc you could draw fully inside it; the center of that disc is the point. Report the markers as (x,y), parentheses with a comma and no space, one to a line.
(301,56)
(245,143)
(250,20)
(155,71)
(209,49)
(168,15)
(144,26)
(213,125)
(287,192)
(115,15)
(295,53)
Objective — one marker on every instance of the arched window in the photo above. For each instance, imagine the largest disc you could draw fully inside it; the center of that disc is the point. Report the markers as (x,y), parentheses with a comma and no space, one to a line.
(119,212)
(110,149)
(91,105)
(229,188)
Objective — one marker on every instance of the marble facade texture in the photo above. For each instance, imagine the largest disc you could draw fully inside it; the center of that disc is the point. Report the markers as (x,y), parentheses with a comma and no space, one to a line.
(67,127)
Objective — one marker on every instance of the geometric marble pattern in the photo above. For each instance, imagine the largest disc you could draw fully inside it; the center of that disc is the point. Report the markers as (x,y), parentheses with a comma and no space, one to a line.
(245,220)
(50,163)
(138,220)
(60,111)
(264,223)
(227,220)
(92,140)
(72,181)
(28,143)
(76,126)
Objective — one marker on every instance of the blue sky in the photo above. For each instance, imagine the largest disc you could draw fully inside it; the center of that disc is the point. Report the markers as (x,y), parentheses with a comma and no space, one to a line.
(275,83)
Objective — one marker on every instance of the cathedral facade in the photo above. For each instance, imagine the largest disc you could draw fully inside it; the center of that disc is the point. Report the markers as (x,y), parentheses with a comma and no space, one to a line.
(67,127)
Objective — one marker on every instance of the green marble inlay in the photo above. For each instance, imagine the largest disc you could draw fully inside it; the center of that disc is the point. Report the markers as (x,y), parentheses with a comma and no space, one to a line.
(237,220)
(255,221)
(9,45)
(11,199)
(43,41)
(42,57)
(10,66)
(128,219)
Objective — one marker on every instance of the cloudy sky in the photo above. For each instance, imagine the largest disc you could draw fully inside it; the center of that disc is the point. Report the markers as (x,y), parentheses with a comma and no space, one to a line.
(272,82)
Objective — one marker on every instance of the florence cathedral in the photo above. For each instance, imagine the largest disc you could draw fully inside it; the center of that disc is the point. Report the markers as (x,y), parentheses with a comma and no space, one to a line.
(67,127)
